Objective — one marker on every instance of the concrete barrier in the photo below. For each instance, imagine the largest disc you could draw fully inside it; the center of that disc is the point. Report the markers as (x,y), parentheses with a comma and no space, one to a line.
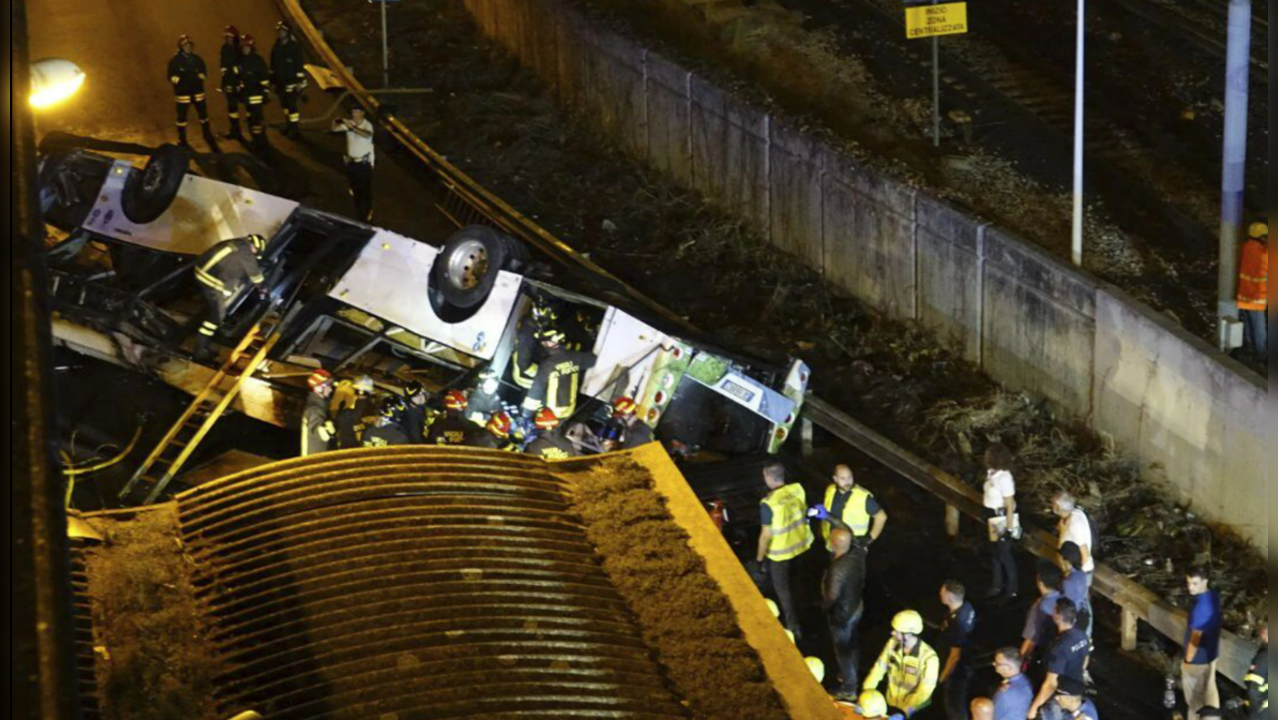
(1028,319)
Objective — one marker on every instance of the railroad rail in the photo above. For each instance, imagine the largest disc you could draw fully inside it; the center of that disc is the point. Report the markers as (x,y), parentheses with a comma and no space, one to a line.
(1138,603)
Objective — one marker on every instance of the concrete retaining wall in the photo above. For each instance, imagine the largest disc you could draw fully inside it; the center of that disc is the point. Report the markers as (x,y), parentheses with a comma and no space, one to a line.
(1028,319)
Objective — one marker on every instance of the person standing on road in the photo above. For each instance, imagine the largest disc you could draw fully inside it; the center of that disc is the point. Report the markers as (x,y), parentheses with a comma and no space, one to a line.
(851,507)
(1074,526)
(1074,586)
(1253,290)
(1067,656)
(317,428)
(842,596)
(785,535)
(1257,679)
(956,637)
(255,85)
(289,73)
(360,158)
(187,73)
(1202,643)
(229,61)
(910,666)
(1015,694)
(1002,521)
(1040,627)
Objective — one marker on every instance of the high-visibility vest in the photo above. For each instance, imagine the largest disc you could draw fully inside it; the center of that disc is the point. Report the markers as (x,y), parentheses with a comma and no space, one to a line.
(1253,276)
(791,534)
(855,512)
(911,677)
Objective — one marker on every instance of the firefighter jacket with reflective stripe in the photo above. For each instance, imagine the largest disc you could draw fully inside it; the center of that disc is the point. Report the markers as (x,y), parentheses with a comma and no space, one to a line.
(911,677)
(558,382)
(385,436)
(187,73)
(1257,681)
(287,65)
(791,534)
(453,429)
(523,361)
(352,418)
(255,77)
(229,60)
(228,267)
(552,445)
(855,513)
(1253,276)
(317,429)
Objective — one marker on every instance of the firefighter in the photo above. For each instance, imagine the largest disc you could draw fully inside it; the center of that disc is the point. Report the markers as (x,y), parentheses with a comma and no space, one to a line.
(229,60)
(355,412)
(317,428)
(289,73)
(910,666)
(528,351)
(388,428)
(558,378)
(187,73)
(416,412)
(550,443)
(1253,290)
(224,271)
(1257,679)
(453,428)
(498,437)
(255,85)
(635,432)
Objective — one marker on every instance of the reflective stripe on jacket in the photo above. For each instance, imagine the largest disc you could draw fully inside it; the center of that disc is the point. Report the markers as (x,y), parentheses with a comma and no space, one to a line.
(1253,276)
(855,512)
(791,533)
(228,266)
(911,677)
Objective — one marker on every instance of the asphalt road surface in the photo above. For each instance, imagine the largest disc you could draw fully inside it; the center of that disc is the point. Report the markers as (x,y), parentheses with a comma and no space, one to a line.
(124,47)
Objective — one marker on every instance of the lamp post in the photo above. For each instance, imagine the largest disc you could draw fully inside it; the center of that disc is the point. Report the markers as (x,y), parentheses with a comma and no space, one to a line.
(1076,245)
(52,81)
(1234,170)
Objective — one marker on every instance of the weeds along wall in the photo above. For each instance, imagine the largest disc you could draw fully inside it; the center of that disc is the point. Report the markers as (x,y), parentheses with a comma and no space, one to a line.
(1195,418)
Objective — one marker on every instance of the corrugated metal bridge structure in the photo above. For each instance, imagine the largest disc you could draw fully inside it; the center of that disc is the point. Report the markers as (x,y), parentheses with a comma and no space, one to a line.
(413,583)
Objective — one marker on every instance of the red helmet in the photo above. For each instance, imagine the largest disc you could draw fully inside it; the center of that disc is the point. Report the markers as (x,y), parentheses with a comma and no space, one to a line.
(623,407)
(184,40)
(499,424)
(318,378)
(232,32)
(546,419)
(455,400)
(247,41)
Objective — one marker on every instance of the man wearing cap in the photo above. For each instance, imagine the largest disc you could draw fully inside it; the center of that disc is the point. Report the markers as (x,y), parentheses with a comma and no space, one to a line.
(1253,290)
(910,666)
(1071,702)
(317,427)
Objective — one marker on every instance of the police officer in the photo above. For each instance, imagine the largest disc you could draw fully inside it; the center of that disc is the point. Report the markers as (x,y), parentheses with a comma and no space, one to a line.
(229,60)
(360,158)
(1066,657)
(850,507)
(223,272)
(550,443)
(388,429)
(187,73)
(317,428)
(558,378)
(1257,679)
(956,638)
(909,665)
(785,535)
(255,85)
(453,428)
(287,67)
(1072,703)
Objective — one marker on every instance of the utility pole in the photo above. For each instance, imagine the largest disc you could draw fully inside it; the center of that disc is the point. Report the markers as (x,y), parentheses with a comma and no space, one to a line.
(1234,170)
(1076,253)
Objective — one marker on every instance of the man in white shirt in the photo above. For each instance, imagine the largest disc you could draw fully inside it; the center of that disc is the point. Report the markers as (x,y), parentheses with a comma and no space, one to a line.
(359,159)
(1074,527)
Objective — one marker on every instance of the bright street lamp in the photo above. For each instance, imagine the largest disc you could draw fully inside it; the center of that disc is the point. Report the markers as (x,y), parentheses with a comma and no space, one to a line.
(54,80)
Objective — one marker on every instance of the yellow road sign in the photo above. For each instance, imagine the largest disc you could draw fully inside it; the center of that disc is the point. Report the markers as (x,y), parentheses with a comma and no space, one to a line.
(934,20)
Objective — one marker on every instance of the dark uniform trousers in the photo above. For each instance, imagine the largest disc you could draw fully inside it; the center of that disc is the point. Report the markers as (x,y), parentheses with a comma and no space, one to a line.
(230,61)
(222,272)
(187,73)
(255,80)
(290,78)
(360,175)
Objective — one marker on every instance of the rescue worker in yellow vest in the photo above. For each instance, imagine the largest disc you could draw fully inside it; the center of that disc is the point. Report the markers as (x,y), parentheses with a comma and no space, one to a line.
(785,535)
(851,507)
(224,271)
(910,667)
(550,443)
(558,378)
(317,427)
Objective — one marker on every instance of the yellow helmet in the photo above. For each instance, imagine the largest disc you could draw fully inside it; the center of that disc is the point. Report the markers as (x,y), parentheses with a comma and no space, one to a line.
(872,704)
(772,607)
(790,634)
(908,622)
(1258,230)
(817,667)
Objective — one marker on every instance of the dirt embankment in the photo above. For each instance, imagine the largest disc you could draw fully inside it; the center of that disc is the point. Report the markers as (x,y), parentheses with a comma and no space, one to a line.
(502,126)
(154,661)
(694,628)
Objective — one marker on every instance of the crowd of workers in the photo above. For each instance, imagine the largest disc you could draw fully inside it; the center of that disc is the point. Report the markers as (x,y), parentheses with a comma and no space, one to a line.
(1045,675)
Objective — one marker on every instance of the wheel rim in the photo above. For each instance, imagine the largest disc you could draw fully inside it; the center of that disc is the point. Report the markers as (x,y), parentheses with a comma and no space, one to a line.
(467,264)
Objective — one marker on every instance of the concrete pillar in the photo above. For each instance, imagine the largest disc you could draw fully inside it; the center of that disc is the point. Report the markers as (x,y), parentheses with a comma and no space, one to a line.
(1130,625)
(805,436)
(952,517)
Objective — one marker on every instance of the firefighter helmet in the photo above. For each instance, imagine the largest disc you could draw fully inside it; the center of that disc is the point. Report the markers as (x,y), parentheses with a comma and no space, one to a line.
(551,335)
(184,40)
(363,384)
(247,41)
(258,242)
(773,607)
(318,378)
(908,622)
(232,32)
(414,388)
(1258,230)
(872,705)
(394,408)
(546,419)
(623,407)
(455,400)
(816,667)
(499,424)
(543,312)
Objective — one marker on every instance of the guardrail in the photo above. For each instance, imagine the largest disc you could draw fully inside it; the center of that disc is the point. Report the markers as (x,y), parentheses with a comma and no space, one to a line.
(1137,602)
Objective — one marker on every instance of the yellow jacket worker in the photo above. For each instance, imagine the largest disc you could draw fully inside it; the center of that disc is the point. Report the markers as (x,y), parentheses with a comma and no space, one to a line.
(909,665)
(785,535)
(850,507)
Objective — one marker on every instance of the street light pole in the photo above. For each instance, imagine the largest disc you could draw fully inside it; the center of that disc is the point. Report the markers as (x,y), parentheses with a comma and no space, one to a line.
(1234,169)
(385,49)
(1076,253)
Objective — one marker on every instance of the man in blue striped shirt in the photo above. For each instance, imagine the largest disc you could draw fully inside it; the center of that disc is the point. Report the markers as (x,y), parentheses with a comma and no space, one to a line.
(1015,695)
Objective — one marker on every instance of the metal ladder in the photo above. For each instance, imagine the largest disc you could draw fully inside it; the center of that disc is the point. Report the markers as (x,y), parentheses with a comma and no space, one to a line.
(168,457)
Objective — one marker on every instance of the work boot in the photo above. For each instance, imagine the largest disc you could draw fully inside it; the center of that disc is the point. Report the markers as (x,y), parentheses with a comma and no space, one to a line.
(182,137)
(207,131)
(293,131)
(203,351)
(234,134)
